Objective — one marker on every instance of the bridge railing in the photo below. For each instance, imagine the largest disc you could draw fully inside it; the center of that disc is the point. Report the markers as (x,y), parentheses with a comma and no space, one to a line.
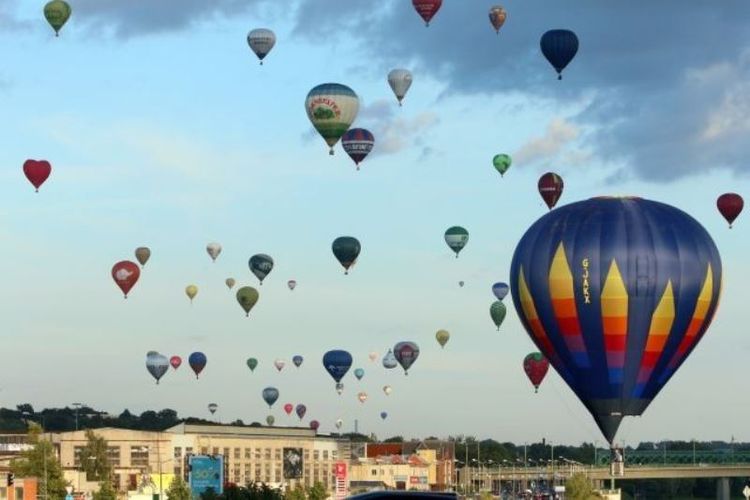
(655,458)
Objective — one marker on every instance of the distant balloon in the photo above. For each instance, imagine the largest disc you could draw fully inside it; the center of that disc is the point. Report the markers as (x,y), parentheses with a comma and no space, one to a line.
(292,284)
(497,17)
(289,408)
(252,363)
(125,273)
(400,80)
(197,362)
(212,407)
(362,396)
(300,410)
(559,47)
(279,364)
(427,9)
(406,354)
(270,395)
(730,205)
(152,353)
(261,41)
(191,291)
(461,284)
(535,365)
(373,356)
(358,143)
(247,297)
(337,363)
(175,361)
(297,360)
(57,13)
(502,163)
(270,419)
(213,249)
(339,423)
(550,187)
(497,313)
(314,425)
(456,238)
(346,249)
(37,172)
(442,337)
(230,282)
(359,373)
(157,365)
(500,290)
(387,389)
(331,107)
(142,255)
(261,265)
(383,415)
(389,360)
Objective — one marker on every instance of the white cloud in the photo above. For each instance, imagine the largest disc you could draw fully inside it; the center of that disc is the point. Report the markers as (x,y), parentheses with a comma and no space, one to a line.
(560,134)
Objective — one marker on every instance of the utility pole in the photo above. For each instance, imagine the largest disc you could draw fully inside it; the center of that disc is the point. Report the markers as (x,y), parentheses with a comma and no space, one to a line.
(77,406)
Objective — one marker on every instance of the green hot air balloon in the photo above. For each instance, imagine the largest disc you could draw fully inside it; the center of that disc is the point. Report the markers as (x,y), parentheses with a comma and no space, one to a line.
(497,312)
(270,420)
(57,13)
(456,237)
(331,107)
(346,249)
(442,337)
(252,363)
(247,296)
(502,163)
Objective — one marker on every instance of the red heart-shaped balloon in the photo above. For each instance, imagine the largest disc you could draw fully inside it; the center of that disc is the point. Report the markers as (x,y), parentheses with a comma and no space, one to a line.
(37,171)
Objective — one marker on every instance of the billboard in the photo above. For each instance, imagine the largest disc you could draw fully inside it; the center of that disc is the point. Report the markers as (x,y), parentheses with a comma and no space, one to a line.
(293,464)
(342,482)
(206,472)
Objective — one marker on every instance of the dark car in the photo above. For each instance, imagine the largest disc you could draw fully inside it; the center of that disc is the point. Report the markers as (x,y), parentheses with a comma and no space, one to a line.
(416,495)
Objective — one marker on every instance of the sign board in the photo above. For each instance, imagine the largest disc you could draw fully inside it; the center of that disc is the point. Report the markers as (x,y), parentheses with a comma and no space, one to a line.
(206,472)
(342,482)
(293,463)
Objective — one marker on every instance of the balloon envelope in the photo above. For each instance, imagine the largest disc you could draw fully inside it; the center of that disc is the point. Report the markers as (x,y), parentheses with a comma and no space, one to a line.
(400,80)
(501,163)
(383,415)
(300,410)
(359,373)
(142,255)
(498,15)
(536,366)
(261,265)
(427,9)
(339,423)
(389,360)
(373,355)
(550,187)
(247,297)
(442,337)
(175,362)
(497,313)
(289,408)
(730,205)
(331,107)
(387,389)
(197,362)
(261,41)
(559,48)
(616,293)
(297,360)
(191,291)
(270,420)
(37,172)
(337,363)
(456,238)
(362,396)
(406,354)
(212,407)
(358,143)
(213,249)
(57,13)
(500,290)
(252,363)
(314,425)
(292,284)
(270,395)
(157,365)
(279,364)
(346,249)
(230,282)
(125,273)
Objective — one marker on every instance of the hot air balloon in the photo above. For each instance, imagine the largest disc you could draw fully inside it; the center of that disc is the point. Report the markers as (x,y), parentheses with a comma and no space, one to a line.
(387,389)
(500,290)
(357,142)
(456,237)
(535,365)
(292,284)
(442,337)
(269,419)
(331,107)
(337,363)
(175,361)
(157,365)
(497,17)
(359,373)
(279,364)
(212,407)
(142,255)
(314,425)
(389,360)
(497,313)
(400,81)
(270,395)
(339,388)
(461,284)
(346,249)
(616,293)
(297,360)
(730,205)
(383,415)
(152,353)
(289,408)
(37,172)
(230,282)
(191,291)
(362,396)
(406,354)
(373,355)
(261,41)
(252,363)
(125,273)
(339,423)
(426,9)
(550,187)
(197,362)
(247,297)
(559,47)
(501,163)
(261,265)
(57,13)
(213,249)
(300,410)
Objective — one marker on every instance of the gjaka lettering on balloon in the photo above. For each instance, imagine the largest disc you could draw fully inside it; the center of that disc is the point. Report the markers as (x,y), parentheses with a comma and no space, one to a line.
(586,293)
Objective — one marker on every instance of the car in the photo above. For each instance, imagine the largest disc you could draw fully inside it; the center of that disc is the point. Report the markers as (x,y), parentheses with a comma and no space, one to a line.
(416,495)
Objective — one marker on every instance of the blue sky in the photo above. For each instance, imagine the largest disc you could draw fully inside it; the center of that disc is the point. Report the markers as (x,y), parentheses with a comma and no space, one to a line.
(164,131)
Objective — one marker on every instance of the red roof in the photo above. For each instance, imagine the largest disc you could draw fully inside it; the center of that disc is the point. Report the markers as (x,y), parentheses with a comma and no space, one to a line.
(377,450)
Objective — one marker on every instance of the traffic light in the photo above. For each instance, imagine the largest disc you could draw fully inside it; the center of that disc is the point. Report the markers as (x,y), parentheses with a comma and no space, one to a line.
(11,478)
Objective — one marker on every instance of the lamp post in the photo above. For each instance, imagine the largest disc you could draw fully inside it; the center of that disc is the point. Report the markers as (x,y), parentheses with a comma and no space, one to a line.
(77,407)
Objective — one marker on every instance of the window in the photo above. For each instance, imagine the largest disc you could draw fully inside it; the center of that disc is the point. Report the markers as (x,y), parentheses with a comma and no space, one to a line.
(277,476)
(267,453)
(113,456)
(277,454)
(226,453)
(248,453)
(204,451)
(177,452)
(77,450)
(215,451)
(307,455)
(325,454)
(189,450)
(316,455)
(374,472)
(3,492)
(19,492)
(177,470)
(138,456)
(237,455)
(257,453)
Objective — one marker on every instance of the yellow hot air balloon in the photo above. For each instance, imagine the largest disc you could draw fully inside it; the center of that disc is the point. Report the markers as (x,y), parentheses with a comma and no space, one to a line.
(442,337)
(191,291)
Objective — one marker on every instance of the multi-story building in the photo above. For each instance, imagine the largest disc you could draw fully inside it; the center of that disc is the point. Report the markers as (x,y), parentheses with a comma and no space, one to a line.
(390,472)
(438,455)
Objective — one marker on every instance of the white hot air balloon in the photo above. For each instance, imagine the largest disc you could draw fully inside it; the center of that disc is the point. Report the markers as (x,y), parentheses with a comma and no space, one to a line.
(373,356)
(213,249)
(339,423)
(400,81)
(261,41)
(387,389)
(279,364)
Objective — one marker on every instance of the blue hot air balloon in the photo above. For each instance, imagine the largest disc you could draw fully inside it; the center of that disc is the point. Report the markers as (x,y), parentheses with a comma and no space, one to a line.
(197,362)
(297,360)
(559,47)
(383,415)
(500,290)
(389,360)
(337,363)
(270,395)
(616,293)
(359,373)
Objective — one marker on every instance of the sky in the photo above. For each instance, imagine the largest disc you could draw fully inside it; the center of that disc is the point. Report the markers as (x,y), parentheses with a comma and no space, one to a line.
(164,131)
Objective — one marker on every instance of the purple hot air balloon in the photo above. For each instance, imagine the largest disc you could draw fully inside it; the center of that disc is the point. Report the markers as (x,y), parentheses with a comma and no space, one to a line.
(358,142)
(301,410)
(314,424)
(197,362)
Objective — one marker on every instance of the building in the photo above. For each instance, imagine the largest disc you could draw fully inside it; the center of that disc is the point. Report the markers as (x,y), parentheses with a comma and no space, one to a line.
(395,472)
(439,456)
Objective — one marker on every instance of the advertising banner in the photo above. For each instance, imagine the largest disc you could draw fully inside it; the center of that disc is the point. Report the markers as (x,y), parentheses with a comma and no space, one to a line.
(293,463)
(206,472)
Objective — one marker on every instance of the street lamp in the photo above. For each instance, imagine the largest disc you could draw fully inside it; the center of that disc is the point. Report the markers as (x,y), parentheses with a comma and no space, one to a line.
(77,407)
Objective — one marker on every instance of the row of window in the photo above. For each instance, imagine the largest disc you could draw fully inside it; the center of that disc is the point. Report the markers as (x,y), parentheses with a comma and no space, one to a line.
(256,453)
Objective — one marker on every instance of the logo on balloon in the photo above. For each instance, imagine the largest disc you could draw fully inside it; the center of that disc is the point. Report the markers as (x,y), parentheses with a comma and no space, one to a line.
(586,293)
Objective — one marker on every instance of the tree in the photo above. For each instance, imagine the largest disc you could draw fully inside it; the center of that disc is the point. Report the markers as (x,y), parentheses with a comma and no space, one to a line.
(298,493)
(317,492)
(106,491)
(178,490)
(394,439)
(94,458)
(578,487)
(41,462)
